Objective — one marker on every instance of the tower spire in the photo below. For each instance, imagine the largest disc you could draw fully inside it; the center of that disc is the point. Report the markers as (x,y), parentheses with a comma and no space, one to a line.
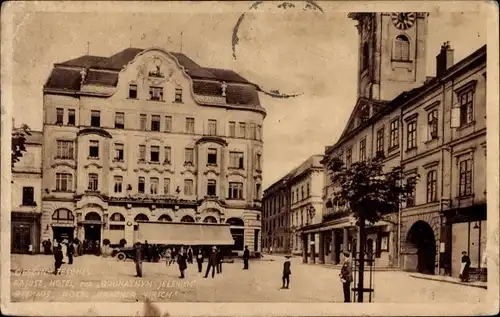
(181,43)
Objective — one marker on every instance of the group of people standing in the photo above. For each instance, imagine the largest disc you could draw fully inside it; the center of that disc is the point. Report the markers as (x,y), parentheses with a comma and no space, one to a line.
(61,248)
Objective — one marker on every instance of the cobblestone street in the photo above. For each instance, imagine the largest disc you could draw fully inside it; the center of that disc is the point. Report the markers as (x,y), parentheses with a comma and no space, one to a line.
(106,279)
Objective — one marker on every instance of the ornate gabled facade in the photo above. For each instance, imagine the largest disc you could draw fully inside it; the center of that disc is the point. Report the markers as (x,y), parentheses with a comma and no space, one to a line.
(432,127)
(149,135)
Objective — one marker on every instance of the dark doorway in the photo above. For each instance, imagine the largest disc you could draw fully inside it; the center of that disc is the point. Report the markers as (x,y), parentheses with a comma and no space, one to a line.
(61,233)
(21,238)
(421,236)
(256,240)
(92,232)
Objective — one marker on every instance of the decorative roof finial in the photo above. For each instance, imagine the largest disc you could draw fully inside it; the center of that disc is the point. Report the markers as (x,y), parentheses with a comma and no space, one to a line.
(223,86)
(83,73)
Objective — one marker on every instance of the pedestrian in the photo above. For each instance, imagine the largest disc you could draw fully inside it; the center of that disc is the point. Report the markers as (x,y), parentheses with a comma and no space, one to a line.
(286,272)
(138,259)
(346,276)
(30,249)
(212,262)
(145,251)
(70,250)
(58,259)
(464,269)
(97,248)
(199,260)
(220,258)
(168,257)
(271,250)
(246,257)
(182,261)
(190,255)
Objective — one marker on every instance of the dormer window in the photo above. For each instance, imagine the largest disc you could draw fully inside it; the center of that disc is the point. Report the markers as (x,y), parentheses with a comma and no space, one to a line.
(178,94)
(156,93)
(132,91)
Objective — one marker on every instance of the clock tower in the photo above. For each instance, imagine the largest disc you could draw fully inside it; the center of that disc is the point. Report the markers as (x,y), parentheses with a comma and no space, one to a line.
(392,53)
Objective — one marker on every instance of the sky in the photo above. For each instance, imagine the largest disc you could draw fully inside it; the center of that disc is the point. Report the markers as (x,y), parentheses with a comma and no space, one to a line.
(292,50)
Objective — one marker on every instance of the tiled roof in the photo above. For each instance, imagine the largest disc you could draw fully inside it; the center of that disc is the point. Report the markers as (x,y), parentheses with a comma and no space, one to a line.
(104,72)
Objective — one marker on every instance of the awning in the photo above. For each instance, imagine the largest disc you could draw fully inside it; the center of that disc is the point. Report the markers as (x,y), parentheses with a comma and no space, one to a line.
(184,233)
(347,223)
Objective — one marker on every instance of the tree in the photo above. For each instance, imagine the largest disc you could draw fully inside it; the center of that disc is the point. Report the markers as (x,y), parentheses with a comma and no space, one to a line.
(18,143)
(369,193)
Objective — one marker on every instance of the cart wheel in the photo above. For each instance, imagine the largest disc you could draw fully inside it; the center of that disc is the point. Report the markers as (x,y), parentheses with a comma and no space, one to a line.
(121,256)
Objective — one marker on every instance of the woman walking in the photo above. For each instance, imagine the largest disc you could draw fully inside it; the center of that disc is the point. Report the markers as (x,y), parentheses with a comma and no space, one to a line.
(168,257)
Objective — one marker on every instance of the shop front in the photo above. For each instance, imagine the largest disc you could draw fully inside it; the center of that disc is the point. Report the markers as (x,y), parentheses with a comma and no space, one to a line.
(25,231)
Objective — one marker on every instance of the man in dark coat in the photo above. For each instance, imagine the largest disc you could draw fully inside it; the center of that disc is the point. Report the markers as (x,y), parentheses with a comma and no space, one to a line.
(212,262)
(246,257)
(199,260)
(147,253)
(70,251)
(190,255)
(286,272)
(182,261)
(138,259)
(220,258)
(464,273)
(346,277)
(58,258)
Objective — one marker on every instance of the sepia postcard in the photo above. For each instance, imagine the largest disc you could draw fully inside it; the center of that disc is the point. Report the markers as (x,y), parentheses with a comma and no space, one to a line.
(249,158)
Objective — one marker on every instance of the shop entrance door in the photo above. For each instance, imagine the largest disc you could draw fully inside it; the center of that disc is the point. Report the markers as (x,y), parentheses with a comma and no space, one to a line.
(20,238)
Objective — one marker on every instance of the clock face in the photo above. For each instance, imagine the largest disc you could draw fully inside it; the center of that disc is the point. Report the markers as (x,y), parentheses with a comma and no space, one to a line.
(403,20)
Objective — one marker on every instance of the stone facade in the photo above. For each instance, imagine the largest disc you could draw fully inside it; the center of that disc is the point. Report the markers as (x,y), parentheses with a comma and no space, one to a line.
(150,135)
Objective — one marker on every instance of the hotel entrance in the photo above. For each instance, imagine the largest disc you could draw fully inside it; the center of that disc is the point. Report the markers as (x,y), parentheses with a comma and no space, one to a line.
(92,226)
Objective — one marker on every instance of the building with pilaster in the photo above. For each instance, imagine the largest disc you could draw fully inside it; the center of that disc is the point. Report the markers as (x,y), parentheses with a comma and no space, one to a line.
(150,135)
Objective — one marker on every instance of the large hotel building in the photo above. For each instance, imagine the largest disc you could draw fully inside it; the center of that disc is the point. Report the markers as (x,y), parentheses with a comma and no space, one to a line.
(149,135)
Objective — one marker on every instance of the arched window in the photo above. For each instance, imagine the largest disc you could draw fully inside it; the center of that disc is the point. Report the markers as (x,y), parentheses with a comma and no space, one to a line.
(141,217)
(235,222)
(165,218)
(93,216)
(365,56)
(117,217)
(210,219)
(187,219)
(63,215)
(401,48)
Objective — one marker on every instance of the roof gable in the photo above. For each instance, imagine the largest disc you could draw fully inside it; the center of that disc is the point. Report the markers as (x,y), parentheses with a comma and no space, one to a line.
(363,110)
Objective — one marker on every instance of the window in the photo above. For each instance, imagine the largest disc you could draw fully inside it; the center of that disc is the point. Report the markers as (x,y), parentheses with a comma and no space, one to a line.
(466,107)
(411,141)
(117,217)
(432,125)
(259,133)
(431,186)
(59,115)
(212,157)
(365,57)
(189,156)
(308,190)
(178,94)
(465,177)
(168,124)
(156,93)
(236,160)
(258,158)
(235,190)
(212,127)
(394,137)
(242,130)
(28,196)
(362,150)
(168,152)
(119,152)
(188,187)
(410,199)
(64,182)
(119,120)
(93,182)
(65,150)
(71,117)
(232,129)
(166,186)
(95,118)
(190,125)
(253,131)
(380,141)
(142,122)
(155,153)
(154,185)
(142,152)
(155,123)
(118,184)
(401,48)
(211,188)
(348,156)
(132,91)
(141,185)
(94,149)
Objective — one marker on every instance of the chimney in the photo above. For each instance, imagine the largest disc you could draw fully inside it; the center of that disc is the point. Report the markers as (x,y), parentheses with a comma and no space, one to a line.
(444,59)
